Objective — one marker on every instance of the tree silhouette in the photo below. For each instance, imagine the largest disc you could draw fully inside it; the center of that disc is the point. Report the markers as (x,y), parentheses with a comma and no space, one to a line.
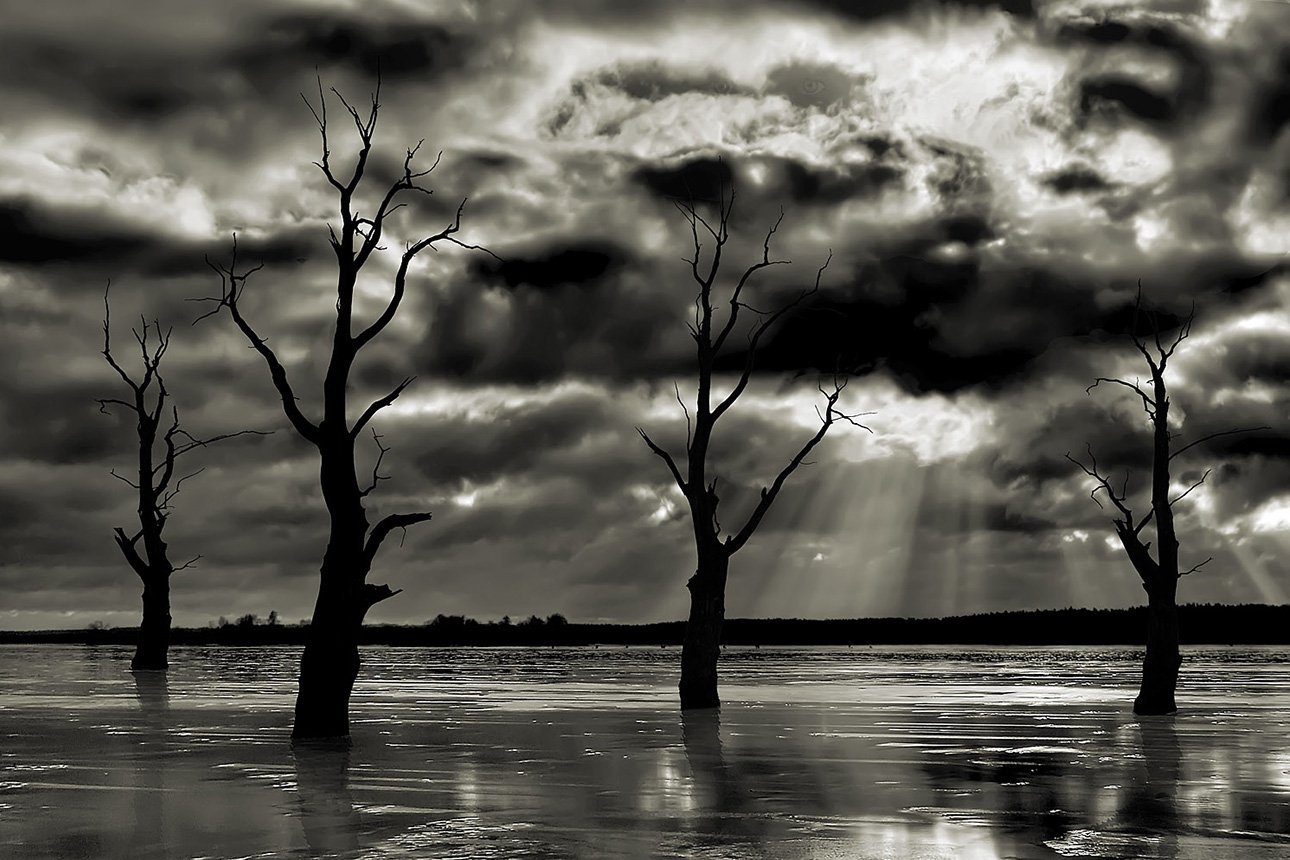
(155,482)
(1160,574)
(330,662)
(714,548)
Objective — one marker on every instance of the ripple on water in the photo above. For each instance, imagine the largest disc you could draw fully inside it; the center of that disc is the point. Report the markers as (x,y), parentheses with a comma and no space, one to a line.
(894,753)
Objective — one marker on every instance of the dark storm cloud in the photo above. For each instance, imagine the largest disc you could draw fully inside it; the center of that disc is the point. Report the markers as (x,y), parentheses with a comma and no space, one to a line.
(36,234)
(1191,91)
(886,316)
(103,78)
(808,184)
(1098,421)
(1138,100)
(394,48)
(575,264)
(877,10)
(138,74)
(703,180)
(786,180)
(943,319)
(513,440)
(1271,105)
(29,235)
(1077,179)
(654,81)
(57,425)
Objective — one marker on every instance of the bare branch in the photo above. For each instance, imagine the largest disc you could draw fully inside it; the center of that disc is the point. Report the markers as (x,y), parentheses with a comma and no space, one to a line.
(1197,567)
(105,402)
(1192,487)
(688,433)
(1202,440)
(192,561)
(231,286)
(320,117)
(667,458)
(377,477)
(211,440)
(387,525)
(164,503)
(107,345)
(754,338)
(374,594)
(763,263)
(401,276)
(377,405)
(1184,331)
(387,206)
(122,478)
(132,557)
(1148,403)
(1104,483)
(734,543)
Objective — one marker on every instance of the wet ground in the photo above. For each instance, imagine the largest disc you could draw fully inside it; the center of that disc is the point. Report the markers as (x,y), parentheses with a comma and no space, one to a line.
(489,753)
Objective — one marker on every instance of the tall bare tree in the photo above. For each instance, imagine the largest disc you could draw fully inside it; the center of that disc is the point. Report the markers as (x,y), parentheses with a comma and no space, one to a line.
(696,479)
(330,662)
(1159,574)
(155,481)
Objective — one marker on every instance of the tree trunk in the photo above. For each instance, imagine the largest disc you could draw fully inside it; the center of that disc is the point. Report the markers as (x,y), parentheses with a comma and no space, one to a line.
(153,644)
(702,644)
(330,661)
(329,664)
(1162,660)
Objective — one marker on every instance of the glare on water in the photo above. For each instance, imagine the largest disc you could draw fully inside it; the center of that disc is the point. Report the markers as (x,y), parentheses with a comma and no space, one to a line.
(491,753)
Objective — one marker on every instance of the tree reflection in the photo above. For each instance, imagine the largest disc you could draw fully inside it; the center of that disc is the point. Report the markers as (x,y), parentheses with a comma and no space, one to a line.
(1149,805)
(148,758)
(327,812)
(726,807)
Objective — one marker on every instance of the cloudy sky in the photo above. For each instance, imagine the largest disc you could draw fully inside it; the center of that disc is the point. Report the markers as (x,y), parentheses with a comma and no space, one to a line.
(993,179)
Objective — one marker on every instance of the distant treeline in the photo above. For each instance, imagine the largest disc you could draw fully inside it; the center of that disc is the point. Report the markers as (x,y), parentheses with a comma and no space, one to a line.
(1208,624)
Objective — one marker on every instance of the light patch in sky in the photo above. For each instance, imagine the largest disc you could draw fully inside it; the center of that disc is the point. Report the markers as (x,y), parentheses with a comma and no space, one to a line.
(933,427)
(63,166)
(1271,516)
(480,402)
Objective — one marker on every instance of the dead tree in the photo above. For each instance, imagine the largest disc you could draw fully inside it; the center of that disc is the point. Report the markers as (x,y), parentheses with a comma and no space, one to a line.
(1159,574)
(330,662)
(155,481)
(695,478)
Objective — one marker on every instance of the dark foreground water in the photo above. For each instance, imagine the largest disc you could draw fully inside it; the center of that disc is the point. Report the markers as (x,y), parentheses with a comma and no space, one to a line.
(830,753)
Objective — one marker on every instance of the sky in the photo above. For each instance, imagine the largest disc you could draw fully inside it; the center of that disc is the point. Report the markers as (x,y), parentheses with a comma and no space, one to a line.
(993,180)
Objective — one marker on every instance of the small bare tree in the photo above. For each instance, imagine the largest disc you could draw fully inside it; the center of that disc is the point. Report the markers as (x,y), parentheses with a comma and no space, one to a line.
(155,481)
(1159,575)
(714,547)
(330,662)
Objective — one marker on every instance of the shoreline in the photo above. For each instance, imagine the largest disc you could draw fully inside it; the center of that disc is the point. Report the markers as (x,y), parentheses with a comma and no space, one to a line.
(1202,624)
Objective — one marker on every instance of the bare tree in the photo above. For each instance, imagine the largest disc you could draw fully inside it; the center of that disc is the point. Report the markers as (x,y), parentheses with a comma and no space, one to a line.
(696,480)
(155,481)
(1160,574)
(330,662)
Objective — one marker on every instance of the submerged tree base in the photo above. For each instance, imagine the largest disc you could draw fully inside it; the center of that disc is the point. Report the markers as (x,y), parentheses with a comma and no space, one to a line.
(1154,707)
(149,663)
(696,700)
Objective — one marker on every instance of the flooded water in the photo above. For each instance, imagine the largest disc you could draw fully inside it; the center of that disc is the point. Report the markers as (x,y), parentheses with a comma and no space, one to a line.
(544,753)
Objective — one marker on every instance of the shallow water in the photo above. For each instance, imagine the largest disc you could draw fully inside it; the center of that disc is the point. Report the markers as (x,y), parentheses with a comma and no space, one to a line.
(905,753)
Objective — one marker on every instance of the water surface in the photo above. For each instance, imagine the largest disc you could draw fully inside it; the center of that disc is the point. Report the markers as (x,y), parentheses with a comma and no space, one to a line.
(904,753)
